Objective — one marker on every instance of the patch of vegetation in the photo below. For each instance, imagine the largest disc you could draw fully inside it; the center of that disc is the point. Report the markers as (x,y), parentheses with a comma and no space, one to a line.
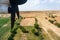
(23,29)
(14,31)
(52,16)
(4,30)
(35,32)
(39,30)
(36,25)
(13,34)
(45,17)
(57,24)
(21,18)
(3,21)
(51,21)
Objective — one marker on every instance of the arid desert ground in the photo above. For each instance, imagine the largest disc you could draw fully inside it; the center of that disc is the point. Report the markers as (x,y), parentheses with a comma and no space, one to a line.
(49,21)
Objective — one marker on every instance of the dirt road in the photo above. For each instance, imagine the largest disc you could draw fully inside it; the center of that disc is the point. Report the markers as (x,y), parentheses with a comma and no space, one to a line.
(46,25)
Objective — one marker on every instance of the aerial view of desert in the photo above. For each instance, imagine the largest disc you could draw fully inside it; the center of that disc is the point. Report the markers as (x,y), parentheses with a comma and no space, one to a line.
(33,25)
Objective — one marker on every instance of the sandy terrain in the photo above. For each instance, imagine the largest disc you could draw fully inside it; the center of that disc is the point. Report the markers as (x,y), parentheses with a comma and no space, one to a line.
(28,22)
(58,19)
(52,30)
(46,25)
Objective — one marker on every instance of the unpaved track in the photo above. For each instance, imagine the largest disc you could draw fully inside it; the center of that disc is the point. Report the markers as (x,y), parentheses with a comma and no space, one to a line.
(46,25)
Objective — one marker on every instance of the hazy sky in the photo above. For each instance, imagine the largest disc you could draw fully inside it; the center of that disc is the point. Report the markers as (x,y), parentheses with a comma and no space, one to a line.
(36,5)
(40,5)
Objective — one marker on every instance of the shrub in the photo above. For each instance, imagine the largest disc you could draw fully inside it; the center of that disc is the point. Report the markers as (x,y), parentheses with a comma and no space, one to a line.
(23,29)
(36,26)
(53,16)
(38,30)
(45,17)
(35,32)
(54,20)
(57,24)
(36,20)
(51,21)
(12,34)
(18,23)
(21,17)
(10,38)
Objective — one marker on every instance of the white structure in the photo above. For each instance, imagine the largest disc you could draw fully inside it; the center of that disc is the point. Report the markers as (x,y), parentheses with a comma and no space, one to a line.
(4,5)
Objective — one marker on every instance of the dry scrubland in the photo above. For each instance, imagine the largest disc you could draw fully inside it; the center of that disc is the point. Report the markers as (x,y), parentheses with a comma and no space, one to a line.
(49,21)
